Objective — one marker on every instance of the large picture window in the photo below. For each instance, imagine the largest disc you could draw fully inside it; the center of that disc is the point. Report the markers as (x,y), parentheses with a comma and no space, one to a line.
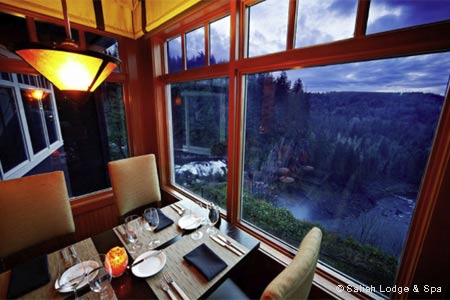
(345,152)
(199,122)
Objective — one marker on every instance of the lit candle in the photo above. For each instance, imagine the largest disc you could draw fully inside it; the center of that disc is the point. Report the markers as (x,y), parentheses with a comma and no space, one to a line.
(118,259)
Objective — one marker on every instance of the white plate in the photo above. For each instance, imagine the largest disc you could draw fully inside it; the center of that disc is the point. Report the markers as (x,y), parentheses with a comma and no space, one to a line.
(189,222)
(75,271)
(150,266)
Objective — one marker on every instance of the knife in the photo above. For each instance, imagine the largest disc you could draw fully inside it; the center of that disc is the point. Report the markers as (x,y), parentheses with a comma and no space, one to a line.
(153,254)
(177,209)
(230,244)
(215,239)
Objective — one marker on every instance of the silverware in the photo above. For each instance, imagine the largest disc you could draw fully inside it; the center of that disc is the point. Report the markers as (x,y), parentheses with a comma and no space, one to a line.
(226,241)
(215,239)
(170,281)
(177,209)
(74,254)
(166,289)
(153,254)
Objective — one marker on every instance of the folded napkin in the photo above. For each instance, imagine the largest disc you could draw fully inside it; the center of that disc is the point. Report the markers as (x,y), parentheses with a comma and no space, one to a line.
(28,276)
(164,221)
(205,261)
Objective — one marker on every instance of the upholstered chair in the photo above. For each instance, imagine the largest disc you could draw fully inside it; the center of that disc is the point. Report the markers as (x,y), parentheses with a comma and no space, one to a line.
(293,283)
(35,216)
(135,183)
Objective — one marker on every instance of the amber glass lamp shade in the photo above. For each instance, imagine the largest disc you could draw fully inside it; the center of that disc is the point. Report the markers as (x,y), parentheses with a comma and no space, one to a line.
(35,94)
(69,69)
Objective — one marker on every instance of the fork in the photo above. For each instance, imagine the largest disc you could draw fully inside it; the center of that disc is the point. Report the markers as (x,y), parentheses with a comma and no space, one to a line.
(166,289)
(170,281)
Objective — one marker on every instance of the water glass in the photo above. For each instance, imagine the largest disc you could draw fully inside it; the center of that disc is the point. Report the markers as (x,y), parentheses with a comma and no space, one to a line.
(133,226)
(151,222)
(213,217)
(198,213)
(100,278)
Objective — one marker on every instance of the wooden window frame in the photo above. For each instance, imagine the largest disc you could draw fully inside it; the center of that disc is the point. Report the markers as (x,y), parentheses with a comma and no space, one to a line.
(428,38)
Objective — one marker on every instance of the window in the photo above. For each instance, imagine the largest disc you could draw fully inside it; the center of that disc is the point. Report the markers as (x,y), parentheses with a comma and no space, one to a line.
(199,123)
(30,125)
(346,152)
(389,15)
(267,26)
(195,48)
(219,41)
(324,21)
(325,133)
(174,58)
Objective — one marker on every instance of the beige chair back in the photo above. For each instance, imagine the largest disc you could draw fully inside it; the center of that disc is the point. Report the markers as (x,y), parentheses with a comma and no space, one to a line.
(295,281)
(33,209)
(134,182)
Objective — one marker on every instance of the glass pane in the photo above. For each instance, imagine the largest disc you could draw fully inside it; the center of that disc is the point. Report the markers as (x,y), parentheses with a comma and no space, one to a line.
(175,62)
(34,120)
(12,147)
(13,30)
(267,27)
(48,33)
(111,99)
(387,15)
(199,123)
(50,118)
(343,147)
(219,41)
(324,21)
(195,48)
(103,44)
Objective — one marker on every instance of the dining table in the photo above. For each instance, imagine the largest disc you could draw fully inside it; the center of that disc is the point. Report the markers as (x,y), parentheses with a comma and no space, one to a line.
(231,245)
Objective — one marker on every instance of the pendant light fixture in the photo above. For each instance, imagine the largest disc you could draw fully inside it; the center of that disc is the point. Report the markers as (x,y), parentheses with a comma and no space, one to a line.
(66,66)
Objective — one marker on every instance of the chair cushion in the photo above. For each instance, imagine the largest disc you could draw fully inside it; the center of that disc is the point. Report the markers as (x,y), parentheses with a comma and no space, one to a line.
(33,209)
(294,282)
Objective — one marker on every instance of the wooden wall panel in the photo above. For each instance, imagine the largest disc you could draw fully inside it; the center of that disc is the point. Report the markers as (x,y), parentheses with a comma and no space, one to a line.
(94,214)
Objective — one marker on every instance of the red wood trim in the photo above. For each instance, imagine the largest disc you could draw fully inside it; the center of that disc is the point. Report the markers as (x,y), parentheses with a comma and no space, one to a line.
(183,51)
(98,10)
(12,65)
(434,181)
(82,39)
(84,204)
(362,15)
(207,45)
(31,29)
(423,39)
(219,70)
(290,38)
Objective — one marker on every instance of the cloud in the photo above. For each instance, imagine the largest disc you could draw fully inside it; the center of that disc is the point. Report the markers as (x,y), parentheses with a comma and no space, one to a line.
(424,73)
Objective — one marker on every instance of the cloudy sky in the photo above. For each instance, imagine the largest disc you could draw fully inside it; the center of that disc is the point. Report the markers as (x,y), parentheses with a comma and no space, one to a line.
(330,20)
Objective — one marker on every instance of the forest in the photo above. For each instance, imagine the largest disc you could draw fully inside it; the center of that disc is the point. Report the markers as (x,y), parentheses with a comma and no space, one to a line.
(339,153)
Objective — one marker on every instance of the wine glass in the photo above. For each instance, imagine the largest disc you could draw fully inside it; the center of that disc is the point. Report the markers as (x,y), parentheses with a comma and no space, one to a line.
(100,278)
(213,217)
(133,226)
(198,234)
(151,221)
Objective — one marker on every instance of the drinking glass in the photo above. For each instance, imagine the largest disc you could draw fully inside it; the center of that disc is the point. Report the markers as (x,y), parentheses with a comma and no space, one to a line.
(213,217)
(133,225)
(100,278)
(198,213)
(151,222)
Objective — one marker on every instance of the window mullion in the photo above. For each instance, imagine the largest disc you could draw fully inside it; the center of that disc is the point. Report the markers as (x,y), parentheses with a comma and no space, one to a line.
(290,38)
(361,18)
